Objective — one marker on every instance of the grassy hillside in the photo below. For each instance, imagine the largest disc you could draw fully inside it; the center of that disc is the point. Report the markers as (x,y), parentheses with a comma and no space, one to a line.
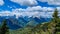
(43,28)
(39,29)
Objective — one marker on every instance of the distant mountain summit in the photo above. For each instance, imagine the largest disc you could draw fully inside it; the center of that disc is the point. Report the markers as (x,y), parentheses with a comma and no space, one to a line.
(20,22)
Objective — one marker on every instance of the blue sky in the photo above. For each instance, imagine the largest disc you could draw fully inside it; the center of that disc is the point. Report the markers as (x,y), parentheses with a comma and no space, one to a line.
(9,5)
(30,8)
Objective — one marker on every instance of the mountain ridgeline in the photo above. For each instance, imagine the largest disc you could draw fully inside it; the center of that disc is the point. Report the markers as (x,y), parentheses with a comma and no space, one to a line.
(21,22)
(25,25)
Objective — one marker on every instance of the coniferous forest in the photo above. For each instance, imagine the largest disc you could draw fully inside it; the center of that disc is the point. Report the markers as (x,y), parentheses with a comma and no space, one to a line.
(51,27)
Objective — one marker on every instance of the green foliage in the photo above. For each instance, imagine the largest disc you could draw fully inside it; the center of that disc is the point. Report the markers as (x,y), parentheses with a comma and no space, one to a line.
(55,21)
(4,28)
(55,14)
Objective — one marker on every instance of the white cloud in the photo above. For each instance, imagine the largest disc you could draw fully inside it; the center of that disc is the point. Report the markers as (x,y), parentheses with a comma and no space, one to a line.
(36,11)
(1,2)
(5,13)
(34,2)
(39,9)
(25,2)
(51,2)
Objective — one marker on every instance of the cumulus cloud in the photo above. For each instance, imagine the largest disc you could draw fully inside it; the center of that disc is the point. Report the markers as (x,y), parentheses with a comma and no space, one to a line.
(1,2)
(26,2)
(5,13)
(36,11)
(34,2)
(51,2)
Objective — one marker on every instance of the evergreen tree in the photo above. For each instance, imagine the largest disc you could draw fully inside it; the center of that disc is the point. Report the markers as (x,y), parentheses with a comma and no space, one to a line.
(55,16)
(55,20)
(4,28)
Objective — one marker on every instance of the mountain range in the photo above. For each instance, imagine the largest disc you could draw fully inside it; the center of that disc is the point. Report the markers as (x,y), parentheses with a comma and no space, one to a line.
(20,22)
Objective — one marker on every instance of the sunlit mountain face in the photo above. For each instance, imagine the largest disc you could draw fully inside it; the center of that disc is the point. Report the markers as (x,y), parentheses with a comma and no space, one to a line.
(20,13)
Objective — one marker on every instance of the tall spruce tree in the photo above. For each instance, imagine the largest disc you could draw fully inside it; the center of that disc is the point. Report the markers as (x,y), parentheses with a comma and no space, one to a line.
(58,27)
(55,20)
(4,28)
